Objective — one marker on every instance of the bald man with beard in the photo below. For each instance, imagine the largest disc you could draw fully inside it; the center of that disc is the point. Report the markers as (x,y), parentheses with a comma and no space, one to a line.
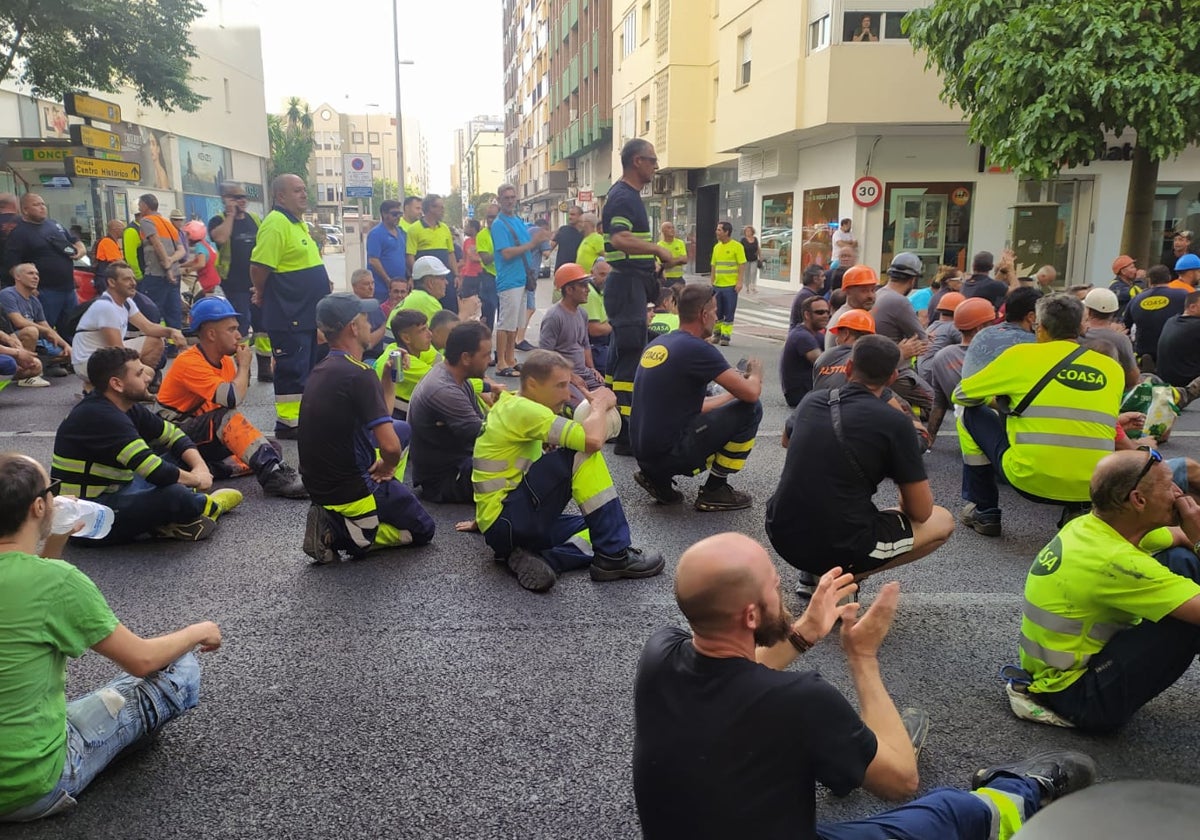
(727,742)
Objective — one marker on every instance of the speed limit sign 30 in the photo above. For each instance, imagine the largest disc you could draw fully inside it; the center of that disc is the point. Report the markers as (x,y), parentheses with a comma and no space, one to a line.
(867,191)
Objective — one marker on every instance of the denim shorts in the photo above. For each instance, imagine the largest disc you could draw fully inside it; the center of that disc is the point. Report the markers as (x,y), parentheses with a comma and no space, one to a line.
(1179,472)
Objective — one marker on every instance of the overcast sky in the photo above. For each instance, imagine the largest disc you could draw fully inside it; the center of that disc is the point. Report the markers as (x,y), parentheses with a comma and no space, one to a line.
(341,53)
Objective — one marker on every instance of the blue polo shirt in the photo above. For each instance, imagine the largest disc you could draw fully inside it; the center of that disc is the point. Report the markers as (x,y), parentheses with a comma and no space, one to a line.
(508,232)
(391,250)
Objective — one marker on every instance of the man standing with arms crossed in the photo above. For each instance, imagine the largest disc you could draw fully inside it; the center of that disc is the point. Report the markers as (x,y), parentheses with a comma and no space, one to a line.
(631,250)
(728,267)
(678,249)
(289,279)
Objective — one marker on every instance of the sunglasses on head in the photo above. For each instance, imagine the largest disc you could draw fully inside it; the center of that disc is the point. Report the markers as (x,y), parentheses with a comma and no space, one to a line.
(1155,458)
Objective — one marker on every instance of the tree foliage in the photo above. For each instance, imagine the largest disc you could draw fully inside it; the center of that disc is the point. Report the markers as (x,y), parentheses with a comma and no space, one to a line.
(291,140)
(1041,80)
(58,46)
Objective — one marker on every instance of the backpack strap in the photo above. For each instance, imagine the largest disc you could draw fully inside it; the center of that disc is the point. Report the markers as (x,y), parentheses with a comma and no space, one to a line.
(1045,380)
(835,415)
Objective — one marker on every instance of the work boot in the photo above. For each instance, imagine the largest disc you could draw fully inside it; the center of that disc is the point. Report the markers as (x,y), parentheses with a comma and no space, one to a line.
(1187,393)
(319,536)
(201,529)
(287,432)
(1057,773)
(721,498)
(986,524)
(916,724)
(264,369)
(622,448)
(806,585)
(630,563)
(663,493)
(283,481)
(1073,510)
(531,569)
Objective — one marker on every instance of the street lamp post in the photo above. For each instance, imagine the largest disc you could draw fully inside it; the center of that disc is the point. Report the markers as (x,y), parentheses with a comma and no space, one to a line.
(399,117)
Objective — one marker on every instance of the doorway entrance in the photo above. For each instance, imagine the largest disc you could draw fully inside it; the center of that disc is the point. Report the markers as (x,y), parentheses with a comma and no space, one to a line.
(1052,225)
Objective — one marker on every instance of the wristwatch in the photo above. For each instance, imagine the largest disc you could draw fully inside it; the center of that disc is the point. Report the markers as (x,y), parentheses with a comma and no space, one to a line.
(801,644)
(1196,548)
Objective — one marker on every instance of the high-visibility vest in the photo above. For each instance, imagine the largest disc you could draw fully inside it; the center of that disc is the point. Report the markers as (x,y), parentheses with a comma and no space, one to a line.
(225,251)
(727,261)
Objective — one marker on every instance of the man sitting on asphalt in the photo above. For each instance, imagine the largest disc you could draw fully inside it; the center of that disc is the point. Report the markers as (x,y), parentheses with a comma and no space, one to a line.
(51,750)
(941,333)
(844,442)
(446,416)
(530,461)
(1179,350)
(945,370)
(860,284)
(675,429)
(1018,327)
(1112,603)
(982,284)
(1100,328)
(1149,311)
(201,394)
(599,329)
(1060,402)
(429,286)
(812,284)
(363,286)
(802,349)
(113,450)
(18,363)
(830,368)
(415,339)
(358,504)
(727,743)
(20,306)
(107,319)
(564,330)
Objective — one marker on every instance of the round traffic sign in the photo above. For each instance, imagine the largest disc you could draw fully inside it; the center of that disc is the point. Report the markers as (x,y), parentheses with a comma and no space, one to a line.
(867,191)
(357,163)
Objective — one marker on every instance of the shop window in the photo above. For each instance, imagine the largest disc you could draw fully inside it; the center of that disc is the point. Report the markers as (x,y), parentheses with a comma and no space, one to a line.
(776,236)
(743,76)
(819,219)
(931,219)
(818,34)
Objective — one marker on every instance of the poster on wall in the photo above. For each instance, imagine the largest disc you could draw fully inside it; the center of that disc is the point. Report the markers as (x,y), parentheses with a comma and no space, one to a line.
(53,120)
(776,236)
(154,160)
(203,166)
(820,218)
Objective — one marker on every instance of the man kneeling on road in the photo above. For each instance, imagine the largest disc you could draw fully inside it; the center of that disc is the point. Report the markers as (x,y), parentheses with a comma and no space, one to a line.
(50,750)
(530,461)
(843,443)
(358,503)
(114,450)
(729,744)
(202,390)
(675,429)
(1112,603)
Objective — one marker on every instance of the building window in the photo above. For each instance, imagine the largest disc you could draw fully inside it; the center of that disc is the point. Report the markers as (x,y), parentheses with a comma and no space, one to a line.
(743,76)
(870,27)
(329,194)
(644,122)
(818,34)
(356,137)
(716,92)
(628,35)
(628,122)
(645,22)
(373,137)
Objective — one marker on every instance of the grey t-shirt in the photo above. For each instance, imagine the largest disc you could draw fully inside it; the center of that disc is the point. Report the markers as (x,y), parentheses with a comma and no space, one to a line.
(945,372)
(894,316)
(1125,358)
(990,342)
(153,263)
(445,418)
(940,334)
(565,332)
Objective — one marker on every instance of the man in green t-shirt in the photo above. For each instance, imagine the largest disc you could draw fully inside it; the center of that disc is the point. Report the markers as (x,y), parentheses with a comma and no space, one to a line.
(50,750)
(1112,603)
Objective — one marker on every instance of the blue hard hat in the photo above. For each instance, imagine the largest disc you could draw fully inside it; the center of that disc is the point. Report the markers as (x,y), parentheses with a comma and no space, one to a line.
(1187,262)
(211,309)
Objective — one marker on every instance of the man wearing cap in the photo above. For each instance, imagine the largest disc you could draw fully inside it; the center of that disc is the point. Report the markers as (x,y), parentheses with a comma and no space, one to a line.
(1187,273)
(944,371)
(1149,311)
(345,416)
(941,333)
(1100,331)
(981,283)
(675,428)
(202,391)
(1124,284)
(1060,402)
(802,349)
(430,277)
(860,284)
(564,330)
(289,278)
(843,443)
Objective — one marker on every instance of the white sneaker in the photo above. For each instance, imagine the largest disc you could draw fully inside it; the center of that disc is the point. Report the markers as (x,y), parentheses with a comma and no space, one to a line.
(34,382)
(1026,708)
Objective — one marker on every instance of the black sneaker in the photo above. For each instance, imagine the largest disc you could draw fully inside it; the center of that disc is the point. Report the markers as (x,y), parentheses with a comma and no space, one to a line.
(287,433)
(622,448)
(916,724)
(524,346)
(318,536)
(283,481)
(806,585)
(1057,773)
(722,497)
(531,569)
(632,563)
(988,527)
(664,494)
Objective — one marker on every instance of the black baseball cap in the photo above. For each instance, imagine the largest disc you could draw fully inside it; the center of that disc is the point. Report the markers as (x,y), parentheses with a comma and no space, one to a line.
(336,311)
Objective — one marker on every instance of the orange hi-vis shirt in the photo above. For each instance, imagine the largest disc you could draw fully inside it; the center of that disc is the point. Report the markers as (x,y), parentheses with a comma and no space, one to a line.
(107,250)
(193,385)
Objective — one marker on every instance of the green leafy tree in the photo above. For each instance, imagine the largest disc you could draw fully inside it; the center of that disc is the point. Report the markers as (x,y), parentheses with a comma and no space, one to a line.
(57,46)
(291,140)
(481,201)
(1042,80)
(454,210)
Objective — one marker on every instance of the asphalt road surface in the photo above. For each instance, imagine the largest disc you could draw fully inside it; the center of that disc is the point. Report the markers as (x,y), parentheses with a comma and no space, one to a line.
(423,694)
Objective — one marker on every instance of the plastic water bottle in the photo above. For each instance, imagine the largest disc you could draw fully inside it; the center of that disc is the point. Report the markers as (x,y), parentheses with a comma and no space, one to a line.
(97,518)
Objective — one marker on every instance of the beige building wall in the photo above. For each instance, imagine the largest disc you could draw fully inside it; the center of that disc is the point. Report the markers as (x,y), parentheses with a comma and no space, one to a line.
(484,163)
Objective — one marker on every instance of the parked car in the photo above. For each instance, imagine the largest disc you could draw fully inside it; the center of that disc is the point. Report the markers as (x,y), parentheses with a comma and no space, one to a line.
(333,234)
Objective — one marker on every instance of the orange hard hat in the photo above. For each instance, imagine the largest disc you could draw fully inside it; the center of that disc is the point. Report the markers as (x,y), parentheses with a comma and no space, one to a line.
(569,273)
(855,319)
(949,301)
(860,275)
(974,312)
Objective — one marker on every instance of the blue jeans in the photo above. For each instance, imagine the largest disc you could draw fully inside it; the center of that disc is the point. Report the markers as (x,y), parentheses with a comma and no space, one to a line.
(57,304)
(140,507)
(101,725)
(165,295)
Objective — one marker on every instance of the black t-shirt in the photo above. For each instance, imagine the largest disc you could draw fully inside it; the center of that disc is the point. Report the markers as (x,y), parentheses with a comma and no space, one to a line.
(981,285)
(8,221)
(795,370)
(821,501)
(1178,359)
(241,245)
(797,316)
(624,210)
(342,402)
(751,249)
(668,388)
(567,238)
(729,748)
(45,245)
(1148,312)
